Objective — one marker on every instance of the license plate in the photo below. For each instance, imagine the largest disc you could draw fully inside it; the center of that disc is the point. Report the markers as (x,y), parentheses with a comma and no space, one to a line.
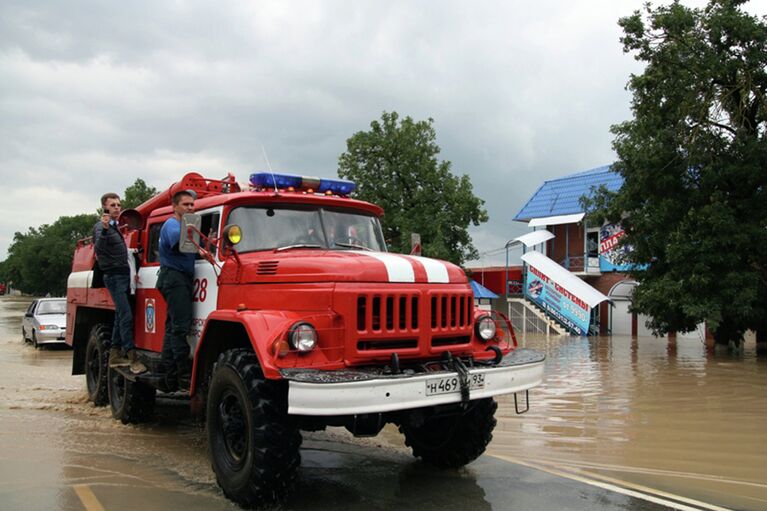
(450,384)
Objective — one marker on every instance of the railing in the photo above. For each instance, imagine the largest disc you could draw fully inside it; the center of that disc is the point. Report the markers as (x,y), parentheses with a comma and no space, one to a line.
(581,264)
(526,317)
(516,287)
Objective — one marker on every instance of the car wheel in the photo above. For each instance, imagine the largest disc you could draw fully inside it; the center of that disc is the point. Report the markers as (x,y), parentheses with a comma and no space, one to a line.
(451,440)
(254,444)
(34,340)
(23,335)
(96,363)
(131,402)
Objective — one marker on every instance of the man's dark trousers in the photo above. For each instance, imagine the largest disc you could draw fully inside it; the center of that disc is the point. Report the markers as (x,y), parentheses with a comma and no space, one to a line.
(176,287)
(122,332)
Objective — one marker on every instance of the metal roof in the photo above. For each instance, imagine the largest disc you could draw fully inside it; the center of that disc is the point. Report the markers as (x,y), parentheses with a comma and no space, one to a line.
(481,291)
(562,196)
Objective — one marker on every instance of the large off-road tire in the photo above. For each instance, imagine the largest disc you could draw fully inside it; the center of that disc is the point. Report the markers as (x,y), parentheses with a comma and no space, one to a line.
(254,444)
(131,402)
(452,441)
(96,358)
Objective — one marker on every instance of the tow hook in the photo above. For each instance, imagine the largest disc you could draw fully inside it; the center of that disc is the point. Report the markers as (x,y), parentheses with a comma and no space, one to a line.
(498,354)
(395,363)
(455,364)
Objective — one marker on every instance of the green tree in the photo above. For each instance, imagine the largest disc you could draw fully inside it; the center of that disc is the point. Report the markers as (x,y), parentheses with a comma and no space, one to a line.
(137,193)
(40,260)
(694,163)
(395,165)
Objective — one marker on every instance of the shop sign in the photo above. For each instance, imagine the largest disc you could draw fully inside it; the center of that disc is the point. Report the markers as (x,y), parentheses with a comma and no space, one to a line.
(569,310)
(611,252)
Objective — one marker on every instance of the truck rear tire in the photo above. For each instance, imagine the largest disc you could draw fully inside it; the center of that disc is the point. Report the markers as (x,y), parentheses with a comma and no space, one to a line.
(96,362)
(452,441)
(131,402)
(254,444)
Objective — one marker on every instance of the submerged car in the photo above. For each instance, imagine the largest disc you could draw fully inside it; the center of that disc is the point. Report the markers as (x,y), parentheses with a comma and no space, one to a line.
(45,321)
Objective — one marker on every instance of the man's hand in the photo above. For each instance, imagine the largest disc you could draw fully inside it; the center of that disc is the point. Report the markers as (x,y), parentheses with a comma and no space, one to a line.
(105,220)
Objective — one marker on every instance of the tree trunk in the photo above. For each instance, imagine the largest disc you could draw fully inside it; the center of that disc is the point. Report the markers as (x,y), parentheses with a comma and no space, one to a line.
(729,333)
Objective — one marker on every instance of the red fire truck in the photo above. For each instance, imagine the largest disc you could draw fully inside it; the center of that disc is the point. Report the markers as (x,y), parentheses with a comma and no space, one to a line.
(302,320)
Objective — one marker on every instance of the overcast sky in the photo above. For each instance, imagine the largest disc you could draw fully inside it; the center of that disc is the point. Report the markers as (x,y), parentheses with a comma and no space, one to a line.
(96,94)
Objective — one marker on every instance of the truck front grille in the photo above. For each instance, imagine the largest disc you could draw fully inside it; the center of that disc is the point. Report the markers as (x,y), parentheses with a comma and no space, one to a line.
(411,323)
(392,313)
(451,311)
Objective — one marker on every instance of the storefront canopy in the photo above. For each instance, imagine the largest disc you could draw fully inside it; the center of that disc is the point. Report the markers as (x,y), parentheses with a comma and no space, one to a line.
(534,238)
(556,220)
(564,278)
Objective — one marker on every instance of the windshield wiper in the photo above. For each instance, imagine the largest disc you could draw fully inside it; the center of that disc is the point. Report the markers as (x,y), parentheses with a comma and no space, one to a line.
(299,245)
(353,245)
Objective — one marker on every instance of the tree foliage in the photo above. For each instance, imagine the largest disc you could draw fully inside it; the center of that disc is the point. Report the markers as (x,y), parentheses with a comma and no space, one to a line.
(694,163)
(40,260)
(395,165)
(137,193)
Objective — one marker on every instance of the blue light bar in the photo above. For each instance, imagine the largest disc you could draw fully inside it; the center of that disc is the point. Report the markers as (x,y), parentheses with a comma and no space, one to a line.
(337,186)
(270,180)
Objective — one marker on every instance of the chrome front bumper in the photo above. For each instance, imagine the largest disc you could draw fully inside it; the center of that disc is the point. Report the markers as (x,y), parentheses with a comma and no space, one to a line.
(349,392)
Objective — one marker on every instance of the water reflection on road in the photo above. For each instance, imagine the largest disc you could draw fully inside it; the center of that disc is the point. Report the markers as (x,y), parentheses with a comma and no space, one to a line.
(670,415)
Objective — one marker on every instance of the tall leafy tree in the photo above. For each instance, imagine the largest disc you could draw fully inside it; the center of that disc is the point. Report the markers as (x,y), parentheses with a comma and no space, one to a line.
(395,165)
(694,163)
(40,260)
(137,193)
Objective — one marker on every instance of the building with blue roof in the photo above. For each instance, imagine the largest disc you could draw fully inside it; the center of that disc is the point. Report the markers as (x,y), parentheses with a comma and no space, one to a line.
(562,196)
(590,252)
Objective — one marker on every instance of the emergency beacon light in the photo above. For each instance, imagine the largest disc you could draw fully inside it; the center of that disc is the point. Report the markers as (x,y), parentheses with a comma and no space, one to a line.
(267,180)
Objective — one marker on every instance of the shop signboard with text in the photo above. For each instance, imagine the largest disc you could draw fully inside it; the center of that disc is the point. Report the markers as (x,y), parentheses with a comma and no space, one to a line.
(611,251)
(567,308)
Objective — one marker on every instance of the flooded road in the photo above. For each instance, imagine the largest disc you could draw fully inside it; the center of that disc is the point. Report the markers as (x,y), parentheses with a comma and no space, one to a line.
(618,412)
(663,414)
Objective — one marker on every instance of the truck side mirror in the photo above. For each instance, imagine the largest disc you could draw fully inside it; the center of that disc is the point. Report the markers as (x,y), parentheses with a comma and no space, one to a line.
(190,233)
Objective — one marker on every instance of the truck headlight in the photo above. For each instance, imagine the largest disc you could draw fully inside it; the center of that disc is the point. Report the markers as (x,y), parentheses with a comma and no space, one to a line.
(486,328)
(303,337)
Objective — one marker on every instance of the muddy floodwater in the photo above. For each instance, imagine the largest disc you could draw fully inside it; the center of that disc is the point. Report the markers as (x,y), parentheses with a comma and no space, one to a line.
(639,413)
(670,415)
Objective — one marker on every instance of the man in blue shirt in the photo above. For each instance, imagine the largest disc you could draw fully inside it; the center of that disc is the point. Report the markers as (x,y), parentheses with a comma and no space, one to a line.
(175,285)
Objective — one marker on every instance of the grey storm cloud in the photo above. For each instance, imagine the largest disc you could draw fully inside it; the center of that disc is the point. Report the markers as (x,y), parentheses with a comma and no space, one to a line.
(96,94)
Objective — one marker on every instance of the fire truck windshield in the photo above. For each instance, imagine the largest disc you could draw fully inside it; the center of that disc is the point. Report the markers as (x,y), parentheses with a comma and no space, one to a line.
(275,228)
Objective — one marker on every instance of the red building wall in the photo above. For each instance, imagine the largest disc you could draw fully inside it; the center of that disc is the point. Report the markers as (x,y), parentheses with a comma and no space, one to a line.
(492,277)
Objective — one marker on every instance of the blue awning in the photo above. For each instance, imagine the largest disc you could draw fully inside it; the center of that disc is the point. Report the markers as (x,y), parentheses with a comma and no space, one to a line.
(481,291)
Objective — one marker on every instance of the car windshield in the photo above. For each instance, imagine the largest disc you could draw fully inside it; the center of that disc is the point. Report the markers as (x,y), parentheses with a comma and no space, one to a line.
(284,228)
(52,307)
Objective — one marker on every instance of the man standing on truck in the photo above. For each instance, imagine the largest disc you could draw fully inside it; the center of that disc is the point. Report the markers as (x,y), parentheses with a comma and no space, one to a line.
(112,257)
(175,285)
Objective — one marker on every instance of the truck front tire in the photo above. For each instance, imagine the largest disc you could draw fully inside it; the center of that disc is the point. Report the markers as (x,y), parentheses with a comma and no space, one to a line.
(452,440)
(254,444)
(96,358)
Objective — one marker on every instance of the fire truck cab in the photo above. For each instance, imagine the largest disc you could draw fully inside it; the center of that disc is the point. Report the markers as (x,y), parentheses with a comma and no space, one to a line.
(302,320)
